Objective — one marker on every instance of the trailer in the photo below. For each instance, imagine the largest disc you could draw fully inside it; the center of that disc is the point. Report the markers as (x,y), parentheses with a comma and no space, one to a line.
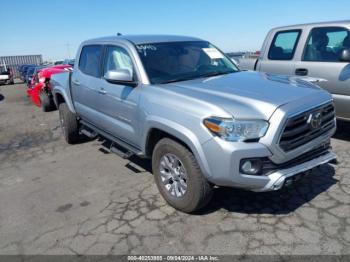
(13,62)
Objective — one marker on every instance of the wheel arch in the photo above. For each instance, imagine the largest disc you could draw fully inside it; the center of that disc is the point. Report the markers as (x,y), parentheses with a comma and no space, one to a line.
(166,128)
(61,97)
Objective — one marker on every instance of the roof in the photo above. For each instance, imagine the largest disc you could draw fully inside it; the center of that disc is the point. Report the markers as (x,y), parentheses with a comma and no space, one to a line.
(146,39)
(317,24)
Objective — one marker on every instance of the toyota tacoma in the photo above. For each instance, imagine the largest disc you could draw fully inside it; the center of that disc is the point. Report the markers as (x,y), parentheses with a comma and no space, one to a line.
(204,123)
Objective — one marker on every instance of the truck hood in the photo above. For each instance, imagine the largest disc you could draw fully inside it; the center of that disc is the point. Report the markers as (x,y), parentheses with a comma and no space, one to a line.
(249,95)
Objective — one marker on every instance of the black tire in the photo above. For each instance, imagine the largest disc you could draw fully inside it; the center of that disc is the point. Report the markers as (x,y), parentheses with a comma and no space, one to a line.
(69,124)
(46,102)
(199,191)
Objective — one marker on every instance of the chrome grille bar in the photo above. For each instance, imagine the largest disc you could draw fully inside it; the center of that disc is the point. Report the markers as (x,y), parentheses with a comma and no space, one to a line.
(299,131)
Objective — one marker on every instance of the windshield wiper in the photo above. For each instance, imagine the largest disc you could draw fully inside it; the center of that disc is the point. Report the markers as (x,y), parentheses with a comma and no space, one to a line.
(197,76)
(216,74)
(179,79)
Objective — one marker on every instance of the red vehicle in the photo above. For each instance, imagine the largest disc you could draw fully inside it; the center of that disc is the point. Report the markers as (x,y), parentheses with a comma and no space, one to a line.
(39,90)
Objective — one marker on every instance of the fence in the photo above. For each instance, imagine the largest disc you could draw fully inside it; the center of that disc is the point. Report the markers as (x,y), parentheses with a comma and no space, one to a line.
(14,61)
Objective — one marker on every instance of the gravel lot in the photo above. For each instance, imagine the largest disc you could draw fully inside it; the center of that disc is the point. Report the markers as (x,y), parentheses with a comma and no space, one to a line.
(62,199)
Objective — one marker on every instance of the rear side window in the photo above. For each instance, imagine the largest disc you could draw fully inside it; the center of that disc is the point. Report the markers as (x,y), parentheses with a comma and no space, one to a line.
(284,44)
(325,44)
(89,62)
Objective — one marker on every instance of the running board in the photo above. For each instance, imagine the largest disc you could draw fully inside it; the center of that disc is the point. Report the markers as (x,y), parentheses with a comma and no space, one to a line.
(120,151)
(118,147)
(90,134)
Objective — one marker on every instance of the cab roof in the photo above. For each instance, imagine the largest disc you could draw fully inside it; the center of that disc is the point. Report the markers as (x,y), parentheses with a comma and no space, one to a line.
(145,39)
(330,23)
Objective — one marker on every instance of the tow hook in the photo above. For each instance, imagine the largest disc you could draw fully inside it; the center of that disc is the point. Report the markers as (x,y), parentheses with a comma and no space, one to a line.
(291,180)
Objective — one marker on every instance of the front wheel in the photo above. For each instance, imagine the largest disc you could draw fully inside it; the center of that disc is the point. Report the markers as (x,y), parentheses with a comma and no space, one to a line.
(178,176)
(69,124)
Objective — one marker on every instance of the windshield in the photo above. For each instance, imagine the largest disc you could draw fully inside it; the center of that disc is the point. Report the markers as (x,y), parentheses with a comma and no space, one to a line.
(179,61)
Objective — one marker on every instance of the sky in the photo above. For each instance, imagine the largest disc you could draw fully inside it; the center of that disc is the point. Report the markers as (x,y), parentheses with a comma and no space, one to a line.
(56,28)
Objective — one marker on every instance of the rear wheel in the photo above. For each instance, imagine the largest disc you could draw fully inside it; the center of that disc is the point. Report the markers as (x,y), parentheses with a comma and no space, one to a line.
(178,176)
(69,124)
(46,102)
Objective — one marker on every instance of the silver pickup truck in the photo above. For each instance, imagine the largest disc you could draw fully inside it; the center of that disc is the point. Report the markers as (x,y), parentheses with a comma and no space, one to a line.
(181,102)
(319,53)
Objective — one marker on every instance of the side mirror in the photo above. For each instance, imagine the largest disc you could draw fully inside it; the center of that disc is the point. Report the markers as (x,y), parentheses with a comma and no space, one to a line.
(345,55)
(120,76)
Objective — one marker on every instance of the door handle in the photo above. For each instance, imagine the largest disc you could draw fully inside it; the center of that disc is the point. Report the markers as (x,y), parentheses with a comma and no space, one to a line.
(76,82)
(102,91)
(301,72)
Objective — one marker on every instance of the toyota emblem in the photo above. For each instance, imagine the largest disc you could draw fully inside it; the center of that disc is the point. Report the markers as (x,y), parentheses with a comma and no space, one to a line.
(315,120)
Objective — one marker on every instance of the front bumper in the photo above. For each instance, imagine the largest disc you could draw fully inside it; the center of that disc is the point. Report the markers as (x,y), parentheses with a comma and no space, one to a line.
(224,158)
(280,177)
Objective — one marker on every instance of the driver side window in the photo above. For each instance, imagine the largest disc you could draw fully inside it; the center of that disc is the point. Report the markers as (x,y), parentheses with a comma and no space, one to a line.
(118,58)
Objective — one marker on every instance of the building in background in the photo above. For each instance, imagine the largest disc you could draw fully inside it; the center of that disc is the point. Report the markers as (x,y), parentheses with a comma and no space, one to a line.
(14,61)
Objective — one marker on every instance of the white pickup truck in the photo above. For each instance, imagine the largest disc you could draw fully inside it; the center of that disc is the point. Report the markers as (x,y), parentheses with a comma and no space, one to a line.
(6,76)
(318,53)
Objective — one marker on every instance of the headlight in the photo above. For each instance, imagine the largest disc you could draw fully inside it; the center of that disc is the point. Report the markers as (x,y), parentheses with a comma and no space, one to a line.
(236,130)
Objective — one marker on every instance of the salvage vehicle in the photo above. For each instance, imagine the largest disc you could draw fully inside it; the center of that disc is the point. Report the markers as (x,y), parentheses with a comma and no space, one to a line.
(31,75)
(319,53)
(40,89)
(33,79)
(6,75)
(183,103)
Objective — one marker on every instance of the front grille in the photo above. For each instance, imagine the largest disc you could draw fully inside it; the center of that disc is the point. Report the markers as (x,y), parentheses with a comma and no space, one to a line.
(270,167)
(299,129)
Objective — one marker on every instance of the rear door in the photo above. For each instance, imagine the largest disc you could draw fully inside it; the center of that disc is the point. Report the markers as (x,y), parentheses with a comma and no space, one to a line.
(279,56)
(321,60)
(86,80)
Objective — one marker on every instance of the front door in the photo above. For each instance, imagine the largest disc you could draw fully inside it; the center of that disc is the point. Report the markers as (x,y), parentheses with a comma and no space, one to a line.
(118,102)
(321,61)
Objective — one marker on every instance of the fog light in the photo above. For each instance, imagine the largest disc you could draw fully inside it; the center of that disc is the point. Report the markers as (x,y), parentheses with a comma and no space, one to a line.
(251,166)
